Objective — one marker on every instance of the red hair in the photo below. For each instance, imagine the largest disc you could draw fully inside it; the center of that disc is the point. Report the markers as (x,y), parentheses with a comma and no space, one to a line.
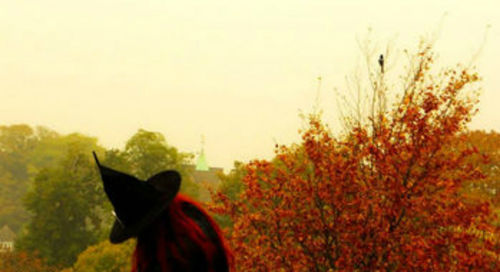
(183,237)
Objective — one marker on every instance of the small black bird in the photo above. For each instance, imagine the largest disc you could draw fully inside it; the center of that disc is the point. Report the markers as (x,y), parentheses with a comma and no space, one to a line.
(381,62)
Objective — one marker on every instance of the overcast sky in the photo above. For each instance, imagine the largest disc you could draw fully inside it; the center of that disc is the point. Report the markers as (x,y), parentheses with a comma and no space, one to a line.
(237,72)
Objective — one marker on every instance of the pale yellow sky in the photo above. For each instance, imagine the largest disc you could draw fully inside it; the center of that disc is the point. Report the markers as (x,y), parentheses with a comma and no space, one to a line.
(236,71)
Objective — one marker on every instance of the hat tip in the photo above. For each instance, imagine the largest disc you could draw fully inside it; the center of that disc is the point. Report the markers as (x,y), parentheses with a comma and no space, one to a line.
(96,159)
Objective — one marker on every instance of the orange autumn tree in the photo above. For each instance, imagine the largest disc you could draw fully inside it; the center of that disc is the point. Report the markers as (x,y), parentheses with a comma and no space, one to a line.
(384,197)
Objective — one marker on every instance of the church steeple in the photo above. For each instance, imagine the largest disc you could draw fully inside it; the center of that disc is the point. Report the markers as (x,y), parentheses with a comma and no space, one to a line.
(201,163)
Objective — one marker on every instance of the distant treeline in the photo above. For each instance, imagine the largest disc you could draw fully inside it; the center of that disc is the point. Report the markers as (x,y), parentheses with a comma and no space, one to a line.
(52,198)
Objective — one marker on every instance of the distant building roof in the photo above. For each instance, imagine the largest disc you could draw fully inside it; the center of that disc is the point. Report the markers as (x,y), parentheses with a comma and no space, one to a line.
(203,176)
(6,234)
(210,176)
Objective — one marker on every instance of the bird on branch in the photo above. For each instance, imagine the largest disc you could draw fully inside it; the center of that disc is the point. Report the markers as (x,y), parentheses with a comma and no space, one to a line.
(381,63)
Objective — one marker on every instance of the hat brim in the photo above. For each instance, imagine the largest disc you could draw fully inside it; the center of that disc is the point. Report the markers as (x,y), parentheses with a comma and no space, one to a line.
(120,233)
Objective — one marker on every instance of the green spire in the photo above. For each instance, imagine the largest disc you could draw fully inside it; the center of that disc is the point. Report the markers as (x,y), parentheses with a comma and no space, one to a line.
(201,163)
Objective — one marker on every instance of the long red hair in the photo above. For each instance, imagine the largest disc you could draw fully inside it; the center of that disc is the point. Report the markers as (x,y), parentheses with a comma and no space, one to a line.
(178,242)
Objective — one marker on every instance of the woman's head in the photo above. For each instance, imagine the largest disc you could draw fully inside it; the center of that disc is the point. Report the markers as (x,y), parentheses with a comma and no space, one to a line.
(137,203)
(183,238)
(173,232)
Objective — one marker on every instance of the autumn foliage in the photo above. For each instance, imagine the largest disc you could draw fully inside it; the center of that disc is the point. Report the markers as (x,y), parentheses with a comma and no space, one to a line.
(488,146)
(386,196)
(21,261)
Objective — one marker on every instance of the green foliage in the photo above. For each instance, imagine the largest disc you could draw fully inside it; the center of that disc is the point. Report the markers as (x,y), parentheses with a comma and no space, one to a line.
(147,153)
(65,203)
(231,185)
(12,213)
(16,145)
(50,184)
(105,257)
(25,151)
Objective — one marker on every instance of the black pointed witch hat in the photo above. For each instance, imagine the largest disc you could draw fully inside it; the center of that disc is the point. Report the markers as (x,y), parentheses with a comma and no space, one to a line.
(136,203)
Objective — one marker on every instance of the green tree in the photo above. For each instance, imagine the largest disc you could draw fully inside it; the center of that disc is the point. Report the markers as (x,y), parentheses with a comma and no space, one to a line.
(16,144)
(64,202)
(12,213)
(148,153)
(23,152)
(49,150)
(105,257)
(231,184)
(230,187)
